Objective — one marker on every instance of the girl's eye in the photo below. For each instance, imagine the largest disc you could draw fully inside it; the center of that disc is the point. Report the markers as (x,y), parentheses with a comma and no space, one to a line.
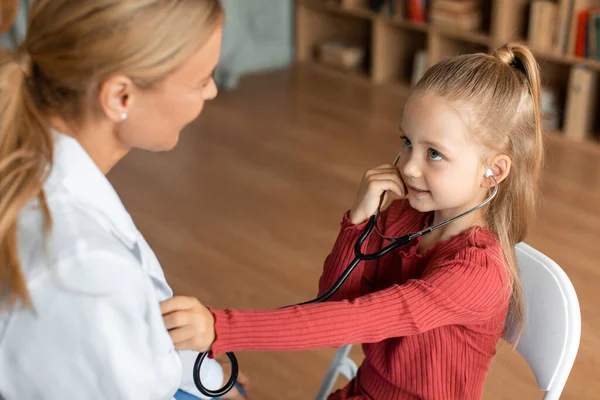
(434,155)
(406,141)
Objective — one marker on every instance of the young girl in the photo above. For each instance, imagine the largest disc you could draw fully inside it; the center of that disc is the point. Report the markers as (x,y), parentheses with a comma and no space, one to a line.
(429,315)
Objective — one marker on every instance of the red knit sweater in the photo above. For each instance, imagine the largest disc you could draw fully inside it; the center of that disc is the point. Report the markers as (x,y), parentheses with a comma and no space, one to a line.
(429,323)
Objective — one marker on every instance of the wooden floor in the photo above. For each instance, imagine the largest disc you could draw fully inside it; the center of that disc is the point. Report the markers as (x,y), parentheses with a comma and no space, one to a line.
(244,211)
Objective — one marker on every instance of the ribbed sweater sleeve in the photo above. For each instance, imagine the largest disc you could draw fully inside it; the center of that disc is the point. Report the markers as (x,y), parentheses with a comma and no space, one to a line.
(464,290)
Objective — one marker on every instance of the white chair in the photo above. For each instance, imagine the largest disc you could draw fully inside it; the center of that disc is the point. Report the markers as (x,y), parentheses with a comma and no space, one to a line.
(551,331)
(341,364)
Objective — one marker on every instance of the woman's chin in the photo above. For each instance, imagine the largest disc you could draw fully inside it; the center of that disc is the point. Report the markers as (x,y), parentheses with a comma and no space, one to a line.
(167,144)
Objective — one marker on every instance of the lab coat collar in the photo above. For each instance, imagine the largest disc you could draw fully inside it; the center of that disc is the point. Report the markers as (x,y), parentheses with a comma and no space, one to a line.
(86,182)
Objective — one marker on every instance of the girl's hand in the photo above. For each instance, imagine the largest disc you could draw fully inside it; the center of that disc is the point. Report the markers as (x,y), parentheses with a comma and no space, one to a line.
(375,182)
(190,324)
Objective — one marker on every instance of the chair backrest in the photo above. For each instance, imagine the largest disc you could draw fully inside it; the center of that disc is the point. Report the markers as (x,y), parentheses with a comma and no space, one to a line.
(552,320)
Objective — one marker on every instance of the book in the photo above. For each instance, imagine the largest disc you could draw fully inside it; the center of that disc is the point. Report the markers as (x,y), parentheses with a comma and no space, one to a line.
(582,28)
(578,7)
(469,22)
(542,23)
(565,10)
(460,14)
(455,6)
(420,62)
(416,10)
(580,105)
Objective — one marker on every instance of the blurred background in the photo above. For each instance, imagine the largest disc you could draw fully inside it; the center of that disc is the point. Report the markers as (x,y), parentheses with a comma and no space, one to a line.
(244,211)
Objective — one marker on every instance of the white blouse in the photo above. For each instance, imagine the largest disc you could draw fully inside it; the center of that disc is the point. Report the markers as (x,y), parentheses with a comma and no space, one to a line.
(95,330)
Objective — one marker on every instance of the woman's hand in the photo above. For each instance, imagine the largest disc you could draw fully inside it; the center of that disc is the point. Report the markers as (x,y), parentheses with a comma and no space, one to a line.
(375,182)
(190,324)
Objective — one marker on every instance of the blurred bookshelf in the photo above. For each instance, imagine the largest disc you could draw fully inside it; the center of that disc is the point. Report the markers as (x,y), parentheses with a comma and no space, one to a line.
(391,43)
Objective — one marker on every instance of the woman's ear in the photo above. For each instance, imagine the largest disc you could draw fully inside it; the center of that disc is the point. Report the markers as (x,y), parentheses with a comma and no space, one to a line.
(116,97)
(500,166)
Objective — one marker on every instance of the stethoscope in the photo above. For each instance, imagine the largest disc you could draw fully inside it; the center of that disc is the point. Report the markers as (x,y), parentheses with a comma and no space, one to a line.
(359,256)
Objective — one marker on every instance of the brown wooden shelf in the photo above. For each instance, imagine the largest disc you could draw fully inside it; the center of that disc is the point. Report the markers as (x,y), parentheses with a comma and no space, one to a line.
(408,24)
(329,7)
(466,36)
(565,59)
(361,77)
(393,41)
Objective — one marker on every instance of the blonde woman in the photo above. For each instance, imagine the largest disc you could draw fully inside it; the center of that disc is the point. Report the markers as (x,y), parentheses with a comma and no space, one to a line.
(80,287)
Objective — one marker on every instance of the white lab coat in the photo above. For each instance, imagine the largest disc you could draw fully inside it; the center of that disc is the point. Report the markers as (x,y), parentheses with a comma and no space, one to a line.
(95,330)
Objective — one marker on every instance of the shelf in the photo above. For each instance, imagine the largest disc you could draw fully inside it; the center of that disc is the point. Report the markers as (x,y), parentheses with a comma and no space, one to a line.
(398,87)
(571,60)
(475,37)
(336,9)
(359,76)
(408,24)
(394,52)
(392,41)
(466,36)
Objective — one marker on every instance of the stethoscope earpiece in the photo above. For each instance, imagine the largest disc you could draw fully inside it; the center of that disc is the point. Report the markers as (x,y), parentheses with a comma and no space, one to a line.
(489,173)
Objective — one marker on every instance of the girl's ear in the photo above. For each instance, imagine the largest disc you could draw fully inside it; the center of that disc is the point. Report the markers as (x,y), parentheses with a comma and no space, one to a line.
(500,166)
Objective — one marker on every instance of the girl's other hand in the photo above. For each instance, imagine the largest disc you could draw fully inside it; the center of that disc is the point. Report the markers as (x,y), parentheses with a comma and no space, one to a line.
(375,182)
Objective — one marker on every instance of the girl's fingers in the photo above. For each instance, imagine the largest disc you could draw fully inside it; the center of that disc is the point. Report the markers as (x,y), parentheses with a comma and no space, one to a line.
(181,335)
(193,344)
(381,169)
(177,319)
(388,175)
(381,186)
(177,303)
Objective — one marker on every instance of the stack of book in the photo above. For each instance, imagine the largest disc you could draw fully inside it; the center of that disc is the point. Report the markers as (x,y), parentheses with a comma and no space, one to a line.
(457,14)
(566,27)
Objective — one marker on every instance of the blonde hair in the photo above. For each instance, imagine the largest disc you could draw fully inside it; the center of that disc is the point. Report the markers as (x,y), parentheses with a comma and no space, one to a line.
(502,93)
(70,49)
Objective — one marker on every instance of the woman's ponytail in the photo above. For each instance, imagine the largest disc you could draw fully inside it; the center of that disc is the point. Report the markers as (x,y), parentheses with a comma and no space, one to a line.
(25,157)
